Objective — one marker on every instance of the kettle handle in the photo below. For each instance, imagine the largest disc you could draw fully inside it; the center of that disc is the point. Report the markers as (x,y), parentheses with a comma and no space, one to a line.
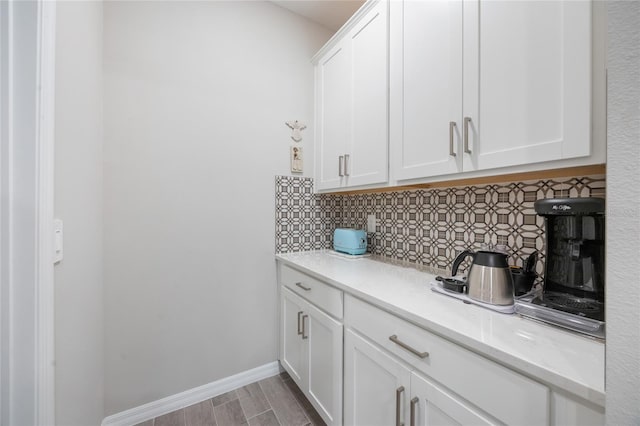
(459,259)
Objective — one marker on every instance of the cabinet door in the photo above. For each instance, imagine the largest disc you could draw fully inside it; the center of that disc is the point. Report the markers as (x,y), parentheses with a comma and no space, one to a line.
(374,382)
(426,88)
(431,406)
(568,410)
(333,109)
(368,157)
(292,354)
(324,340)
(527,81)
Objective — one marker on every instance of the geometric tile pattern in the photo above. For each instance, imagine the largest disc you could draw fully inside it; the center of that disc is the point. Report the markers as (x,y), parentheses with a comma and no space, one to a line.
(431,226)
(304,220)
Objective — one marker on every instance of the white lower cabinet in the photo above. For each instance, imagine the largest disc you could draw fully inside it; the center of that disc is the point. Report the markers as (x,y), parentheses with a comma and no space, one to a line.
(381,390)
(396,373)
(461,373)
(311,352)
(376,385)
(431,404)
(291,342)
(568,410)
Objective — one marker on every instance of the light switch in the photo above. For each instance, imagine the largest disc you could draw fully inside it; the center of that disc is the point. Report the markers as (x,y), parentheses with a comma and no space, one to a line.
(371,223)
(57,240)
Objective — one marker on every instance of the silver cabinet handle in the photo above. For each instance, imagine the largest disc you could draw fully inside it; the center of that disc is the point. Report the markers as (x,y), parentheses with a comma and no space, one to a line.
(303,287)
(398,395)
(403,345)
(414,402)
(299,329)
(466,135)
(303,335)
(340,161)
(452,126)
(346,164)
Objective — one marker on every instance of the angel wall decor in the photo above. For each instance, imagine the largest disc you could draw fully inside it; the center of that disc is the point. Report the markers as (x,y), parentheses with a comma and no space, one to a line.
(297,127)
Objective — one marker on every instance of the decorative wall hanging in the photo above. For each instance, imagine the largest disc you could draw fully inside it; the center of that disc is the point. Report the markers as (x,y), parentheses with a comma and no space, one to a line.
(297,127)
(296,159)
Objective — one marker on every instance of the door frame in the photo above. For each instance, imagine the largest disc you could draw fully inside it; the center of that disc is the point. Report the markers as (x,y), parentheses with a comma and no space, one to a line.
(27,118)
(45,331)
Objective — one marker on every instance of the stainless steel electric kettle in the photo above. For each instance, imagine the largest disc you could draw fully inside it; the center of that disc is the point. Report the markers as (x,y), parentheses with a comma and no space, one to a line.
(489,279)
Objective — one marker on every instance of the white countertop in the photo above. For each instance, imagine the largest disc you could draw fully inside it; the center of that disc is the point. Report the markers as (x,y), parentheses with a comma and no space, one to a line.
(553,356)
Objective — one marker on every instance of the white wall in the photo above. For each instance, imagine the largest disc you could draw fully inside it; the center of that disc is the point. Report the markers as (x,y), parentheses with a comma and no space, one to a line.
(196,96)
(623,215)
(18,211)
(78,201)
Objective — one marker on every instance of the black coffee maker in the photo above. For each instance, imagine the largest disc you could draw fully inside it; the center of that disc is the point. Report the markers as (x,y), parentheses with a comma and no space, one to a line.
(574,268)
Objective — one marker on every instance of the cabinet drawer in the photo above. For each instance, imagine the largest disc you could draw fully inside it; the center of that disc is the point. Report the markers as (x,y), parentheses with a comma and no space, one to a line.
(320,294)
(501,392)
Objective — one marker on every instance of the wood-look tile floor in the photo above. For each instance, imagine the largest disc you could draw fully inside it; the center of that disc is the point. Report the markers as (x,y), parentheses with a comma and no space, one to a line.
(275,401)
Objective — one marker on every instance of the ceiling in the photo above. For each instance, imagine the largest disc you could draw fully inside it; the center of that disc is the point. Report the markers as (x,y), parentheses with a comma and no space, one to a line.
(331,14)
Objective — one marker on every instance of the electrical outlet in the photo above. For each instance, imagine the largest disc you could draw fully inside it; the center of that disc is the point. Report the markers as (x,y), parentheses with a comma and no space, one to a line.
(371,223)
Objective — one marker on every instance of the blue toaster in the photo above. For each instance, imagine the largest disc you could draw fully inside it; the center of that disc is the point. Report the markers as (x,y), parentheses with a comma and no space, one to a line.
(350,241)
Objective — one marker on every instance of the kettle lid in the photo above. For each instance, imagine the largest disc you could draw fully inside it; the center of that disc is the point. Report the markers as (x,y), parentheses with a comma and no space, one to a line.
(491,259)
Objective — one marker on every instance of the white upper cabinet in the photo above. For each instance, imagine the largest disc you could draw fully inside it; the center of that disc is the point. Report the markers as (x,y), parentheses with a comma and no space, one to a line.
(527,81)
(426,88)
(368,160)
(352,103)
(334,115)
(487,84)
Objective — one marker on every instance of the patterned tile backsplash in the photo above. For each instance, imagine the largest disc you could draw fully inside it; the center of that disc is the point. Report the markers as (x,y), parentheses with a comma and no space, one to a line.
(426,226)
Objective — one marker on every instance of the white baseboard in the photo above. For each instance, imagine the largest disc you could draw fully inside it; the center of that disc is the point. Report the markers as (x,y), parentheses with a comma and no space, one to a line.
(192,396)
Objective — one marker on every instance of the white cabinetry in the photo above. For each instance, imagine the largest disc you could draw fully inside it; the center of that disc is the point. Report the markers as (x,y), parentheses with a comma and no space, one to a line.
(432,405)
(381,390)
(376,385)
(472,387)
(352,103)
(396,372)
(426,88)
(311,343)
(476,91)
(291,343)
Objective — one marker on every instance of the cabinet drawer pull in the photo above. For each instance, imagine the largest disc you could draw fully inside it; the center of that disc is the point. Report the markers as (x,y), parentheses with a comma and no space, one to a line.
(340,162)
(452,126)
(403,345)
(303,335)
(414,402)
(299,329)
(398,405)
(346,164)
(303,287)
(466,135)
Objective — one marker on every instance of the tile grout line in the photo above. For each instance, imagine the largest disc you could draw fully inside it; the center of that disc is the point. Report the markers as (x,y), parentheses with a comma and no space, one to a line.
(244,414)
(213,412)
(269,402)
(304,412)
(262,412)
(215,418)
